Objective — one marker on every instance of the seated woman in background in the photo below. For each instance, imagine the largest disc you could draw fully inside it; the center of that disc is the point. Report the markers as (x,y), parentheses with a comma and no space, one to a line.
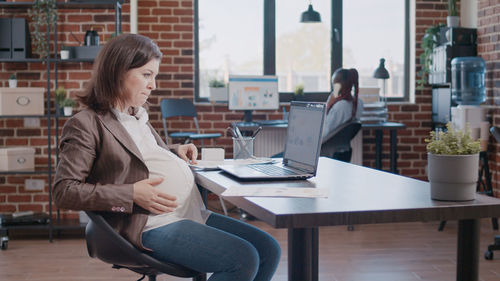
(342,106)
(113,162)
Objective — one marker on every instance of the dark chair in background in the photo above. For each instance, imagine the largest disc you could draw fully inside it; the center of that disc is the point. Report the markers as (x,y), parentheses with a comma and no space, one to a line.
(337,144)
(495,131)
(179,108)
(104,243)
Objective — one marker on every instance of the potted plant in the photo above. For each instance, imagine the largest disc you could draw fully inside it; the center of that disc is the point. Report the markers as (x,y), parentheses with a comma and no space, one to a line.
(430,40)
(452,19)
(68,104)
(64,52)
(12,81)
(43,15)
(453,162)
(218,90)
(60,96)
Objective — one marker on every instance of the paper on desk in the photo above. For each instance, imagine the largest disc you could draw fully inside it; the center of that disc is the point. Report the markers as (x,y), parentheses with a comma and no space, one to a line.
(255,191)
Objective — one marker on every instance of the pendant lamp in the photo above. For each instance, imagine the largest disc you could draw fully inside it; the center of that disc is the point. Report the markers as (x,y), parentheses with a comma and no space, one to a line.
(310,15)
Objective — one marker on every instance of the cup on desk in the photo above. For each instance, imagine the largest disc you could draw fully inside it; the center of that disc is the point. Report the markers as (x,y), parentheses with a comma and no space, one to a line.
(243,147)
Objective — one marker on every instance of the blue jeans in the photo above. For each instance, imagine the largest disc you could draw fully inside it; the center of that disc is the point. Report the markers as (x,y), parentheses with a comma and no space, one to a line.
(231,249)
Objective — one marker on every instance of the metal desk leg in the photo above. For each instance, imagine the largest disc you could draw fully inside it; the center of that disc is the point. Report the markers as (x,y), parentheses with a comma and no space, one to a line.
(378,149)
(303,254)
(468,250)
(394,151)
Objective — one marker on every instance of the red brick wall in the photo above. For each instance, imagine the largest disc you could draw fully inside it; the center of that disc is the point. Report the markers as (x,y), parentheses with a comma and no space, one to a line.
(489,49)
(170,24)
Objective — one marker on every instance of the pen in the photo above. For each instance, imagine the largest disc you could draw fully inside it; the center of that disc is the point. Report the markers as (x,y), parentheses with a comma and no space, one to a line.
(231,132)
(256,132)
(238,132)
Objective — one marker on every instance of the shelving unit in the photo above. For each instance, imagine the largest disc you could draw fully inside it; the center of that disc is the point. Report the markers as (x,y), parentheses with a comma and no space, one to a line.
(52,65)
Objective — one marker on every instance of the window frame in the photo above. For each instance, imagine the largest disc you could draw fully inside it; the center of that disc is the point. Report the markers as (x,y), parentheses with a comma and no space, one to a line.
(269,50)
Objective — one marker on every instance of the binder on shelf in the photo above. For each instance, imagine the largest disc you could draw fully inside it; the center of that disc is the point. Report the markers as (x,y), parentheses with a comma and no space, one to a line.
(21,43)
(5,38)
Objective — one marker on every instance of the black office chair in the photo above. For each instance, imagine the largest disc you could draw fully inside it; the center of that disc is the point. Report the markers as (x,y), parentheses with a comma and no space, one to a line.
(104,243)
(495,131)
(337,144)
(183,107)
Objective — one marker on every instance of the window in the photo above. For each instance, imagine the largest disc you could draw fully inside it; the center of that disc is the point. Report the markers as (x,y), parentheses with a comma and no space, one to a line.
(303,50)
(230,36)
(372,31)
(352,34)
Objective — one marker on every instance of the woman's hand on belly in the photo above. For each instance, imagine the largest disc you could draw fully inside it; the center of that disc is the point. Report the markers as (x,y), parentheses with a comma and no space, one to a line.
(151,198)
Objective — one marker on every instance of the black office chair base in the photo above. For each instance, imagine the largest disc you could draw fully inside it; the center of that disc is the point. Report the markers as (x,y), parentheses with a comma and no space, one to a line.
(493,247)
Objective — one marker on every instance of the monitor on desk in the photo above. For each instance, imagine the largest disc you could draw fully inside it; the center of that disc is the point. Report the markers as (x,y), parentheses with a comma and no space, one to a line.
(251,92)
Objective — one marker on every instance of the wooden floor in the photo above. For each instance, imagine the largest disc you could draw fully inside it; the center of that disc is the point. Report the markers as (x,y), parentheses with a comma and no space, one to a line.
(389,252)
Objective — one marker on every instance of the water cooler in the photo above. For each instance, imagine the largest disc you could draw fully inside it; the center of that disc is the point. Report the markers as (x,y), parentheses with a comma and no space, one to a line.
(467,90)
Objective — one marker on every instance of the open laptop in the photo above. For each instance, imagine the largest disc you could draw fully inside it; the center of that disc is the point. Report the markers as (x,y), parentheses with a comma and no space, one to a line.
(302,147)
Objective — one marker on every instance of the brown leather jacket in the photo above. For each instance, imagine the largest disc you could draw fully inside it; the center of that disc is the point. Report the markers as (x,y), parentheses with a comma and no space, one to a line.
(98,165)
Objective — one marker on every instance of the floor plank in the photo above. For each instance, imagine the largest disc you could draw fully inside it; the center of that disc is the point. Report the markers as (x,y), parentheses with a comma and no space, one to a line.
(389,252)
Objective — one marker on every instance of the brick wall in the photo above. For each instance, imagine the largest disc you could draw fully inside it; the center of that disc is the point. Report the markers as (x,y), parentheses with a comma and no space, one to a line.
(170,24)
(489,49)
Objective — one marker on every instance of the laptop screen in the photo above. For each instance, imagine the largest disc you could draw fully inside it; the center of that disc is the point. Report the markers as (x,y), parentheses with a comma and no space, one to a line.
(303,140)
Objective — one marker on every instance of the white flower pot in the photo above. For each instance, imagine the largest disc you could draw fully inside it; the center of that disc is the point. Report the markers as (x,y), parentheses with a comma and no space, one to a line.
(453,177)
(452,21)
(68,111)
(12,83)
(218,94)
(64,54)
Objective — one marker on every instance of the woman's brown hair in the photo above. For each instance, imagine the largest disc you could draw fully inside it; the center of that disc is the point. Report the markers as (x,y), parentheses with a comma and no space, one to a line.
(122,53)
(348,78)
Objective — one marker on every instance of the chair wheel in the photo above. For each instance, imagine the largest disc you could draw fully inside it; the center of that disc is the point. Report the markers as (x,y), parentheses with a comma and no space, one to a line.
(488,255)
(350,227)
(5,244)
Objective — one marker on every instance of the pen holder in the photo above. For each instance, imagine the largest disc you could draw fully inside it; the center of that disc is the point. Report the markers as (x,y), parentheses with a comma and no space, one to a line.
(242,148)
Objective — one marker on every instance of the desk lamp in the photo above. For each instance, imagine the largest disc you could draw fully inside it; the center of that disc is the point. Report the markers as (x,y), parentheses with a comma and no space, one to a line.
(382,73)
(310,15)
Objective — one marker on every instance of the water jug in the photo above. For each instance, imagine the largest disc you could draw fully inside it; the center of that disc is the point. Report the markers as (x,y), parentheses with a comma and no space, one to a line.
(467,80)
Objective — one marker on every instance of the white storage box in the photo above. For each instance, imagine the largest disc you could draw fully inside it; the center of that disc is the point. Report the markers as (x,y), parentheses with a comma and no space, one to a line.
(17,159)
(22,101)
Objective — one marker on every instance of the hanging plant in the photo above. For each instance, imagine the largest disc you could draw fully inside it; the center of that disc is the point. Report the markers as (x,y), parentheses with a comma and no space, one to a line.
(429,42)
(43,15)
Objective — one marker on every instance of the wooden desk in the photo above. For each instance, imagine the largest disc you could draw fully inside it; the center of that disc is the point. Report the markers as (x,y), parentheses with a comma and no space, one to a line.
(379,131)
(357,195)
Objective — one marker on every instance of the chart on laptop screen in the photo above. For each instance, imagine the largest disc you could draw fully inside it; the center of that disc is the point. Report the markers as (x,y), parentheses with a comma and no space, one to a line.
(304,133)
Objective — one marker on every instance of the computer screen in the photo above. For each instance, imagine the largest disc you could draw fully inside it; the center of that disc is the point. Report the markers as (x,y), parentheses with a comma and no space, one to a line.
(250,92)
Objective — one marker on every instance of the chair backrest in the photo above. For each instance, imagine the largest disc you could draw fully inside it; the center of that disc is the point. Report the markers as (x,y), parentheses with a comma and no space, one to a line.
(175,108)
(340,139)
(104,243)
(495,131)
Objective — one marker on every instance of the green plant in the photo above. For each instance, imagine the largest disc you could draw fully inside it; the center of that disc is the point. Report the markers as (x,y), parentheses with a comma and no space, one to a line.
(429,41)
(299,89)
(12,77)
(64,47)
(452,8)
(214,83)
(69,102)
(452,142)
(60,95)
(43,15)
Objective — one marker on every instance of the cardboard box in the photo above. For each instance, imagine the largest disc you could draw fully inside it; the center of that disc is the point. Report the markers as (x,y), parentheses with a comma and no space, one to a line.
(22,101)
(17,159)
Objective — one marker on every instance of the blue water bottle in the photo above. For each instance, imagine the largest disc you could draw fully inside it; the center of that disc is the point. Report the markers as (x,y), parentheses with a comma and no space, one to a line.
(467,80)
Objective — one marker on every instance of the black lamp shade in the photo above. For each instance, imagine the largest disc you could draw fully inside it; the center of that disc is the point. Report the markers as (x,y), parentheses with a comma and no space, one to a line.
(381,72)
(310,15)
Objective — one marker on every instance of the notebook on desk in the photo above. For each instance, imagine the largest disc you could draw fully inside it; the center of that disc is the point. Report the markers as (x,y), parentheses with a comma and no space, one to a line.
(302,147)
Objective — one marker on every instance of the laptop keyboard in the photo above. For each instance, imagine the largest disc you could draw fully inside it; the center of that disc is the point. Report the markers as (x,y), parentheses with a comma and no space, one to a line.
(272,170)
